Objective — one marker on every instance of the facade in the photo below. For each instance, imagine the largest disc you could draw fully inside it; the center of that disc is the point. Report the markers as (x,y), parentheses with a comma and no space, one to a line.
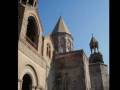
(50,62)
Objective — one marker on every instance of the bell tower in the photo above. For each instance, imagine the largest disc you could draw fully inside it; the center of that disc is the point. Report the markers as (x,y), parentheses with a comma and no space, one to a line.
(22,6)
(62,38)
(29,25)
(98,70)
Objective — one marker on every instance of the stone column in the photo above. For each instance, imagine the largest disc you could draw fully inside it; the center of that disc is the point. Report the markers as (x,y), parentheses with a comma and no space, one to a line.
(20,84)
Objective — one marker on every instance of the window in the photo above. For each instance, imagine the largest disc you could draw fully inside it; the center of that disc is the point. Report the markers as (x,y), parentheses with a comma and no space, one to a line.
(62,45)
(69,46)
(32,32)
(48,50)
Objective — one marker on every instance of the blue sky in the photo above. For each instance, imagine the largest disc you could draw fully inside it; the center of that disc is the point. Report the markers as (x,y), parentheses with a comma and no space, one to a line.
(83,17)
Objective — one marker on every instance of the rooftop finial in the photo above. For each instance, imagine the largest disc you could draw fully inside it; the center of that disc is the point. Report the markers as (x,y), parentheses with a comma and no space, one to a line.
(92,34)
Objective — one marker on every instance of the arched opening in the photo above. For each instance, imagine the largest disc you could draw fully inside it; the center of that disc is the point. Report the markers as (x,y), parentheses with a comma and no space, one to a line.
(69,45)
(32,35)
(27,82)
(48,50)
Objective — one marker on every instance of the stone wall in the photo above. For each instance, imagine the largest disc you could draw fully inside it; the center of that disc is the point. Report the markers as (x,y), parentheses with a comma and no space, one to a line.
(40,72)
(73,65)
(105,76)
(99,76)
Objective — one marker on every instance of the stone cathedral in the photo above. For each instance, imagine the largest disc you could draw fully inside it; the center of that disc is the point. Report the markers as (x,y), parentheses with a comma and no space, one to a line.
(50,62)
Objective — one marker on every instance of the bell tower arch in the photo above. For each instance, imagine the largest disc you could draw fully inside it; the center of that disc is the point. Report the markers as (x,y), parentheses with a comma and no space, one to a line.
(29,25)
(22,5)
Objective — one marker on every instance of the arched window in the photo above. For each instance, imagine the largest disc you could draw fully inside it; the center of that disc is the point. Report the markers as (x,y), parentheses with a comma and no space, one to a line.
(49,54)
(27,82)
(32,35)
(24,1)
(30,2)
(69,46)
(48,51)
(62,45)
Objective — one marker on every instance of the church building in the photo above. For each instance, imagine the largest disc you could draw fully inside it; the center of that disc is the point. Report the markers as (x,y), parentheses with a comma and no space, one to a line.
(50,62)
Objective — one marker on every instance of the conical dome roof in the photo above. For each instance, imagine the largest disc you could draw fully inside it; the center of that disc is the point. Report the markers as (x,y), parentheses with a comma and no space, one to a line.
(61,27)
